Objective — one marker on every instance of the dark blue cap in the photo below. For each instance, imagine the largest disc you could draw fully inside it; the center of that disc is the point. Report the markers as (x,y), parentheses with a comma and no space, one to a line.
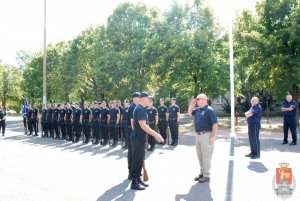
(145,94)
(136,95)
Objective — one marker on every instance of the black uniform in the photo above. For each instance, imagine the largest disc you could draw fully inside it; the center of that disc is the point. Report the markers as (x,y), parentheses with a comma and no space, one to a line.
(69,128)
(162,122)
(76,122)
(86,127)
(95,124)
(173,123)
(44,122)
(130,116)
(121,114)
(49,123)
(31,120)
(124,126)
(55,123)
(2,121)
(138,139)
(36,121)
(104,126)
(152,112)
(113,124)
(62,124)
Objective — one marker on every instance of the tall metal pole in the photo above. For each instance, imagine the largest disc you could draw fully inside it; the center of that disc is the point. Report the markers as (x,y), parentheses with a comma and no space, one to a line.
(44,55)
(232,101)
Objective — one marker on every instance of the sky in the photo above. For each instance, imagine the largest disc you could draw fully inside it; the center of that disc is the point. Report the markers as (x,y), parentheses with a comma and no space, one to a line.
(22,21)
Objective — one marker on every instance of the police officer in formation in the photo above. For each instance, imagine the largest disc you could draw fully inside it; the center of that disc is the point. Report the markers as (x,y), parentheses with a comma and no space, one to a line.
(55,122)
(86,122)
(173,117)
(36,116)
(96,115)
(124,126)
(61,123)
(153,121)
(44,121)
(68,117)
(49,130)
(30,119)
(289,109)
(76,122)
(104,123)
(3,117)
(119,105)
(162,119)
(114,113)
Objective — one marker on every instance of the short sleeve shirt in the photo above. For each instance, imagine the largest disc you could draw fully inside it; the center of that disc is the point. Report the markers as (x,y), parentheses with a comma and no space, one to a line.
(173,110)
(86,113)
(257,112)
(162,110)
(76,114)
(113,114)
(2,114)
(69,112)
(96,113)
(62,113)
(204,118)
(288,105)
(130,112)
(49,113)
(55,114)
(151,112)
(104,114)
(44,114)
(139,114)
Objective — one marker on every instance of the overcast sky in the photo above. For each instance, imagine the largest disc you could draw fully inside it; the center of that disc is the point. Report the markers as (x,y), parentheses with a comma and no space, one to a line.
(21,21)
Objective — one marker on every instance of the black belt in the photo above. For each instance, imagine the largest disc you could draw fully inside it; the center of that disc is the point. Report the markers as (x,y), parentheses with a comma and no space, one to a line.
(203,132)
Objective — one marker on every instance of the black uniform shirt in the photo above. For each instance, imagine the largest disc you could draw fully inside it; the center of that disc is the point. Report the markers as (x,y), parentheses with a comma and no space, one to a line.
(2,114)
(162,110)
(62,114)
(44,114)
(69,112)
(35,113)
(86,112)
(104,113)
(151,114)
(173,109)
(76,114)
(139,114)
(130,113)
(49,113)
(96,113)
(125,115)
(30,113)
(55,114)
(113,114)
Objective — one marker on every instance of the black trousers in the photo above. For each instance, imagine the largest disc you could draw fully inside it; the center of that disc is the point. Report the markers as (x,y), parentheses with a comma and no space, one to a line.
(62,127)
(69,129)
(129,153)
(96,129)
(174,131)
(104,131)
(151,139)
(138,154)
(114,131)
(2,126)
(49,128)
(25,123)
(77,129)
(253,133)
(31,125)
(44,126)
(86,129)
(123,132)
(162,126)
(55,128)
(289,122)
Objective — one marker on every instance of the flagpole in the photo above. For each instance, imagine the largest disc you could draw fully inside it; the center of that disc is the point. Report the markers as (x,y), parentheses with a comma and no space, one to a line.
(232,100)
(44,56)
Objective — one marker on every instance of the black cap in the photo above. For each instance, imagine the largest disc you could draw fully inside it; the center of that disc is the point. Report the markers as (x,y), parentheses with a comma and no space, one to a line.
(173,98)
(58,105)
(145,94)
(136,95)
(126,101)
(95,102)
(99,102)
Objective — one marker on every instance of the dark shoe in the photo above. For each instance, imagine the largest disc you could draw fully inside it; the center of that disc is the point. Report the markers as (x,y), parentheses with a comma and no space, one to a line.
(114,144)
(284,142)
(96,142)
(135,185)
(142,183)
(104,143)
(249,155)
(204,179)
(175,144)
(255,157)
(198,177)
(293,143)
(35,135)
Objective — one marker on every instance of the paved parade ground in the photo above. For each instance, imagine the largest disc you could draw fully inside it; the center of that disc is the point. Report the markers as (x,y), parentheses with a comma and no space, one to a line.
(37,169)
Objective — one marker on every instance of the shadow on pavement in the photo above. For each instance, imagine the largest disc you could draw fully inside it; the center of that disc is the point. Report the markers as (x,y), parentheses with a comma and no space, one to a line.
(119,193)
(199,192)
(257,167)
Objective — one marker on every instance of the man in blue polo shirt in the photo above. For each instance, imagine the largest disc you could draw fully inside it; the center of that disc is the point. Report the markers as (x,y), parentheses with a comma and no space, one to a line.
(206,127)
(253,118)
(289,109)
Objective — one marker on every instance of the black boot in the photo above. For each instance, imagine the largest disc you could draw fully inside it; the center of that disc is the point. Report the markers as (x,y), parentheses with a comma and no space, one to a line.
(142,183)
(136,185)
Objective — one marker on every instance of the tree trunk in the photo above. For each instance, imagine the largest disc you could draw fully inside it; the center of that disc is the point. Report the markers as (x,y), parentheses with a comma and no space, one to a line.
(295,92)
(4,101)
(196,86)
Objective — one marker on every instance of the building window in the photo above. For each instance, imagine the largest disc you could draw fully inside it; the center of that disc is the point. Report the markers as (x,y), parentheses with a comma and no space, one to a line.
(220,100)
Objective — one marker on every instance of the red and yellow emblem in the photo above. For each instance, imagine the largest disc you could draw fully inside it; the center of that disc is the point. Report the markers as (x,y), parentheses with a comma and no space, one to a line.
(284,174)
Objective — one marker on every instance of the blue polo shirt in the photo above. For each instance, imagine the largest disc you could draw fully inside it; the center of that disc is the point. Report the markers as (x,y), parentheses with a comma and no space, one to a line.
(288,105)
(139,113)
(204,118)
(257,112)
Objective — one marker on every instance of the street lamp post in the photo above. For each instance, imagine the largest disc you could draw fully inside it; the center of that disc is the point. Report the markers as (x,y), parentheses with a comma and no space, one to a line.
(232,100)
(44,56)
